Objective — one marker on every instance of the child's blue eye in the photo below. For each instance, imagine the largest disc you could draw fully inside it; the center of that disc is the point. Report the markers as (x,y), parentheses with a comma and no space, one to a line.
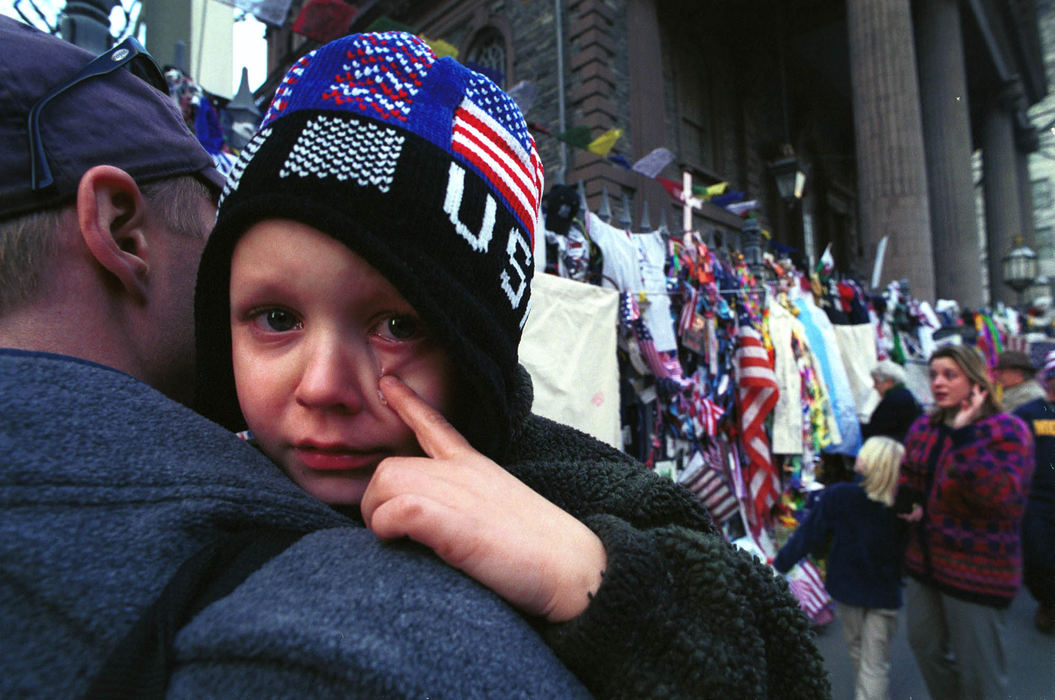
(280,321)
(402,327)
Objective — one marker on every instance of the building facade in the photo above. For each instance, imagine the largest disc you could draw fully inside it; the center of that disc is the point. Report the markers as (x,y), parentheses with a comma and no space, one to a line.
(1042,165)
(882,102)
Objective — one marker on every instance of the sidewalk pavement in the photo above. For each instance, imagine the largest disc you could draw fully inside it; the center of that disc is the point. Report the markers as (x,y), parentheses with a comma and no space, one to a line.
(1031,658)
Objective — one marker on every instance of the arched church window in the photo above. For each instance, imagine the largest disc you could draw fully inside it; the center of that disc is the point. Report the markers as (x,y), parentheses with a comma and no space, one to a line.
(487,55)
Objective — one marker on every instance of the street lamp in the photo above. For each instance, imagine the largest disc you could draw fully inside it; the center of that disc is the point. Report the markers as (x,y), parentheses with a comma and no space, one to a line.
(86,23)
(1020,268)
(790,175)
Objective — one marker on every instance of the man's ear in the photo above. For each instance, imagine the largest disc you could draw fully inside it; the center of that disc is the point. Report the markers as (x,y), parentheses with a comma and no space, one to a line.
(112,216)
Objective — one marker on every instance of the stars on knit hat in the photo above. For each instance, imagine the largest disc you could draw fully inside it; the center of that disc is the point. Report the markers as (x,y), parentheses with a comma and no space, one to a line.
(363,151)
(281,99)
(501,108)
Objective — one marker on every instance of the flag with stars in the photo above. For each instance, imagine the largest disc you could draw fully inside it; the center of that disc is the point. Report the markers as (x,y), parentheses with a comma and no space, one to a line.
(497,143)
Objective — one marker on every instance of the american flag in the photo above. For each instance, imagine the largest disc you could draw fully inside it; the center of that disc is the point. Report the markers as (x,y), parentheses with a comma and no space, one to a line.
(631,316)
(806,585)
(758,394)
(709,415)
(498,145)
(706,480)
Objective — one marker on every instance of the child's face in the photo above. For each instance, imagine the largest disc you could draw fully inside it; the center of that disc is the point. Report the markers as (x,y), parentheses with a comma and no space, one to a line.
(313,327)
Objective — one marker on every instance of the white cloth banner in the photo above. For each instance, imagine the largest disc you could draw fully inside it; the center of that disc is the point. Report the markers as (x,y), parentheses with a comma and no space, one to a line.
(652,255)
(857,348)
(270,11)
(846,438)
(787,415)
(569,349)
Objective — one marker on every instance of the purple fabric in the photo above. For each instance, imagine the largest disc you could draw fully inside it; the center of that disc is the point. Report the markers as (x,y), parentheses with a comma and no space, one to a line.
(114,119)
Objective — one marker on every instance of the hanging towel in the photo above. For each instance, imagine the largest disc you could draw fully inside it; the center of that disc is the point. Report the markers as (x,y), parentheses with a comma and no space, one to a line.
(826,349)
(787,415)
(571,332)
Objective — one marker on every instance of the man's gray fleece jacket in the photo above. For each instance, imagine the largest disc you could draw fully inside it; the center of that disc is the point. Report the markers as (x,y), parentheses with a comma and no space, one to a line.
(106,487)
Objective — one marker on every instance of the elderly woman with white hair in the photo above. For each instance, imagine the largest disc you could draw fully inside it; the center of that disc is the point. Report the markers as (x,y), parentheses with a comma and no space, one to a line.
(897,408)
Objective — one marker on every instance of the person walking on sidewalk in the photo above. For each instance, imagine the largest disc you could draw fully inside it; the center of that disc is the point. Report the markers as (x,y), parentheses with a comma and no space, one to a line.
(864,566)
(1038,525)
(966,473)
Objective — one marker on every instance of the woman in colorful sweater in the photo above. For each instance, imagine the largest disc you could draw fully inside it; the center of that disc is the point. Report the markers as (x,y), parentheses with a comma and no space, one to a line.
(967,469)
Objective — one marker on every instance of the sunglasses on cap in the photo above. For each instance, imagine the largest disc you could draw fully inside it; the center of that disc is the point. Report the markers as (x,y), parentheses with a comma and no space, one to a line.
(129,53)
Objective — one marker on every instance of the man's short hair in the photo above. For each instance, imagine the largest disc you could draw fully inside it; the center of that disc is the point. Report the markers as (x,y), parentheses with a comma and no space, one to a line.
(29,242)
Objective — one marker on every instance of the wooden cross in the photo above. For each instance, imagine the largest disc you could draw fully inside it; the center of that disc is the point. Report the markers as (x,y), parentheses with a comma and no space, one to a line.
(688,202)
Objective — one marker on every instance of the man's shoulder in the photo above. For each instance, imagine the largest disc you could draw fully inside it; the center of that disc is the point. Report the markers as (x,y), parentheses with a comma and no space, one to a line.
(14,360)
(70,421)
(1039,407)
(365,617)
(902,396)
(77,394)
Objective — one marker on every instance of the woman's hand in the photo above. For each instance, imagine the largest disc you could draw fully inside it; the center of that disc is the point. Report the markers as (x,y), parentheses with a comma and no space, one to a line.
(481,519)
(969,407)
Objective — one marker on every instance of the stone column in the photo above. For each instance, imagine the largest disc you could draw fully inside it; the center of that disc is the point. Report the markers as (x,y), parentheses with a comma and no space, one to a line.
(1003,208)
(947,140)
(1026,142)
(892,179)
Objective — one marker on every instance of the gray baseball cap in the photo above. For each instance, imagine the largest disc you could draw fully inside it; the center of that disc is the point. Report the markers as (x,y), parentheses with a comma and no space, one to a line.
(111,118)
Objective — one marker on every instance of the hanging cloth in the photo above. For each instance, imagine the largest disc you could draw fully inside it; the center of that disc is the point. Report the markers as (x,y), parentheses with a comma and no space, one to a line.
(634,263)
(825,348)
(787,415)
(581,320)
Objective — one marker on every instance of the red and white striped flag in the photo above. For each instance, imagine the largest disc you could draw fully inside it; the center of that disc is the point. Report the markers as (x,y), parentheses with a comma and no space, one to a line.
(806,585)
(758,394)
(498,144)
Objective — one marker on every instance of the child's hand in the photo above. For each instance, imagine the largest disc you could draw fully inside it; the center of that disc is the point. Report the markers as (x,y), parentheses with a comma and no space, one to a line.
(913,516)
(481,519)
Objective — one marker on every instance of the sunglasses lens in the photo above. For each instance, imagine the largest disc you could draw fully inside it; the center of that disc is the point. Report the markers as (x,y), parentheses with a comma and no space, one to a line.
(144,68)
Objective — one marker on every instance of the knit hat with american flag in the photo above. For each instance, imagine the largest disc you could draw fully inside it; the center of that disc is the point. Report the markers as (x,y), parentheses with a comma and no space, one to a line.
(422,167)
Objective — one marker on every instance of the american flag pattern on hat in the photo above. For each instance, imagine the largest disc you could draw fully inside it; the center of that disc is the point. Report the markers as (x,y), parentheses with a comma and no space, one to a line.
(378,76)
(382,76)
(490,133)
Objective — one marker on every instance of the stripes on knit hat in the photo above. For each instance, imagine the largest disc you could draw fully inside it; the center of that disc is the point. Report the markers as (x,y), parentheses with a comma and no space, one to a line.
(419,165)
(380,77)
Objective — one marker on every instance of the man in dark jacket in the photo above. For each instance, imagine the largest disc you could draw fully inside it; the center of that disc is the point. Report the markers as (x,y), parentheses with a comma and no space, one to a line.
(1038,523)
(109,488)
(897,408)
